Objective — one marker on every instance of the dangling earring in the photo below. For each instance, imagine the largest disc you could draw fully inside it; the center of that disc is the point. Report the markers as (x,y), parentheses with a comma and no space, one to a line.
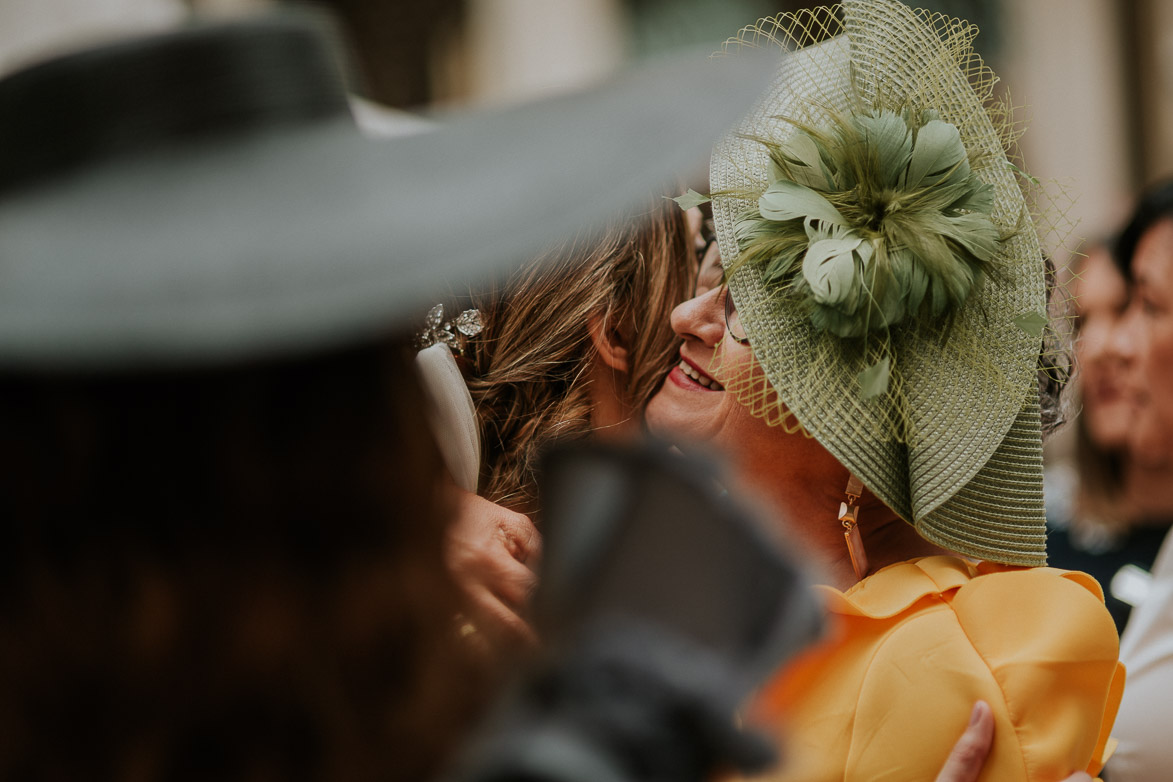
(849,516)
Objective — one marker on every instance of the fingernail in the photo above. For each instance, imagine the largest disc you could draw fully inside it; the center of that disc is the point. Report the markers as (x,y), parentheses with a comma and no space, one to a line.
(976,714)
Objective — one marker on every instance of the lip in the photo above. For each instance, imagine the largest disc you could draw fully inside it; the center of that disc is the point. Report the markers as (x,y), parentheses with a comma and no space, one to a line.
(682,376)
(1126,393)
(1108,392)
(1135,397)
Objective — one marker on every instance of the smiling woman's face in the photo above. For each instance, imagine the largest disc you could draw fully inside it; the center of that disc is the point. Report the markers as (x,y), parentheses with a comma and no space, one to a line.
(693,407)
(789,471)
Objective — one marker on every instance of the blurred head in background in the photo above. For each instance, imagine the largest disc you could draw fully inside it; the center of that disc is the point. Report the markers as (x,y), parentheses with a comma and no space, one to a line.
(1104,357)
(1101,295)
(1145,250)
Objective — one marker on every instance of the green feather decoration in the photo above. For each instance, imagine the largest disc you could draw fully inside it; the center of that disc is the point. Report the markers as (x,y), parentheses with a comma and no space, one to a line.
(690,199)
(873,220)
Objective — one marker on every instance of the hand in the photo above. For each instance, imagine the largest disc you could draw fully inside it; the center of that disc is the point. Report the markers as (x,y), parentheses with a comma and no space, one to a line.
(969,753)
(492,553)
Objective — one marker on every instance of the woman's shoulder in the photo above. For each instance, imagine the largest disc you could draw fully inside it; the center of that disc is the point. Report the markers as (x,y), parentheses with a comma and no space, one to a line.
(915,644)
(1017,621)
(971,589)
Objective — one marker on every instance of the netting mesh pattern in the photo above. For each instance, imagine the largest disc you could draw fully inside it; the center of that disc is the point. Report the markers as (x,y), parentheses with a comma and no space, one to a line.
(948,435)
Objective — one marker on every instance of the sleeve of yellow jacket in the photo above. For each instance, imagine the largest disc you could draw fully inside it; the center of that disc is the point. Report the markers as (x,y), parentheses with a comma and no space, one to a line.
(915,645)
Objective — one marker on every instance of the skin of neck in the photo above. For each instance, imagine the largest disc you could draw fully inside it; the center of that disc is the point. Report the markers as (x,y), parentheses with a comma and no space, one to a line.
(803,494)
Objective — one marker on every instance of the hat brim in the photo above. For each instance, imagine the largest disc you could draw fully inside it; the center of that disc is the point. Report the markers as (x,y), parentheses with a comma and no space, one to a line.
(257,244)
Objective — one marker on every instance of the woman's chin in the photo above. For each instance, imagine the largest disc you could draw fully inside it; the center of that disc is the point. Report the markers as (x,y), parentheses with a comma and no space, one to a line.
(686,417)
(670,416)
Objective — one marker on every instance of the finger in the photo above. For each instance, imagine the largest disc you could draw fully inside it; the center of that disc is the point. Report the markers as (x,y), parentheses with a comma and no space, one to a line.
(513,583)
(533,546)
(1079,776)
(497,620)
(521,536)
(969,753)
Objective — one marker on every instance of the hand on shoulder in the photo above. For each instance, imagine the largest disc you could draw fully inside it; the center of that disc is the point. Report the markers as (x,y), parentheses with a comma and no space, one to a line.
(969,753)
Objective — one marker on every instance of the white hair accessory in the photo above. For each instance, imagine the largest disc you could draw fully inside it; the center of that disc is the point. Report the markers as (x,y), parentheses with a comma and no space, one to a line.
(451,414)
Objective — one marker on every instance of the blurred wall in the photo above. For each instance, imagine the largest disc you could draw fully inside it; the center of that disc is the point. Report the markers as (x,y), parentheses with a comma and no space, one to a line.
(1063,62)
(1153,69)
(521,49)
(1094,77)
(31,30)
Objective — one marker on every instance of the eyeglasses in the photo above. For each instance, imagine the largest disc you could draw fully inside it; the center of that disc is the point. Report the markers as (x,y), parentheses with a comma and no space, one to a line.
(705,239)
(733,320)
(710,278)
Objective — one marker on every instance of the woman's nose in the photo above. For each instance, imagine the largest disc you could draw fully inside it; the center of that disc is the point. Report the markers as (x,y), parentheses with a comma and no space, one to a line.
(1094,338)
(701,318)
(1122,339)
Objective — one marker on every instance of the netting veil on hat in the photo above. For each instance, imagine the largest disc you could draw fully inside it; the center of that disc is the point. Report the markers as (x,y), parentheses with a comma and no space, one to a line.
(923,384)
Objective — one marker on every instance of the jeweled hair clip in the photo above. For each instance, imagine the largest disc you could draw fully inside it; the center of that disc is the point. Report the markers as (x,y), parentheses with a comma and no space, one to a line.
(454,333)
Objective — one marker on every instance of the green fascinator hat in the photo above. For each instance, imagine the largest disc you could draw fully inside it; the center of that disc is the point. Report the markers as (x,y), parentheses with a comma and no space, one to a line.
(886,269)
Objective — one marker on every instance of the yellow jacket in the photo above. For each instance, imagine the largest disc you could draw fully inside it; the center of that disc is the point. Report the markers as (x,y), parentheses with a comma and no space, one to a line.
(913,646)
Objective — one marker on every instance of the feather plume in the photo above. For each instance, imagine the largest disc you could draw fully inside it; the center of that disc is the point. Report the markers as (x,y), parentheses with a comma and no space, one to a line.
(873,220)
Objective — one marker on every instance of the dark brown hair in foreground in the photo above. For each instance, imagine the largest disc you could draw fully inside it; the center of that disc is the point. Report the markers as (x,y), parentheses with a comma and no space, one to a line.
(231,574)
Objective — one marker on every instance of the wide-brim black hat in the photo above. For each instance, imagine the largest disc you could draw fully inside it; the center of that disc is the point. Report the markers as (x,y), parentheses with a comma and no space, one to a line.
(205,195)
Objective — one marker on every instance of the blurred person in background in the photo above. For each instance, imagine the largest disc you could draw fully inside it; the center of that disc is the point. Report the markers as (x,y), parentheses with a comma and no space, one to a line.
(1144,251)
(1096,515)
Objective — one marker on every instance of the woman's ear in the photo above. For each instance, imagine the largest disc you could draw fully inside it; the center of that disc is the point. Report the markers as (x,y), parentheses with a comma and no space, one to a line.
(610,343)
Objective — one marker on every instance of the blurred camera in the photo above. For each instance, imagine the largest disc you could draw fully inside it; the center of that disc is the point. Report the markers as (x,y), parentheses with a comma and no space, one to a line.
(662,604)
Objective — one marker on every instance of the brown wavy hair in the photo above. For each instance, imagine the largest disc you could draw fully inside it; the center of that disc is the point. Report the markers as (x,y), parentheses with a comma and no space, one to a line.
(527,369)
(229,574)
